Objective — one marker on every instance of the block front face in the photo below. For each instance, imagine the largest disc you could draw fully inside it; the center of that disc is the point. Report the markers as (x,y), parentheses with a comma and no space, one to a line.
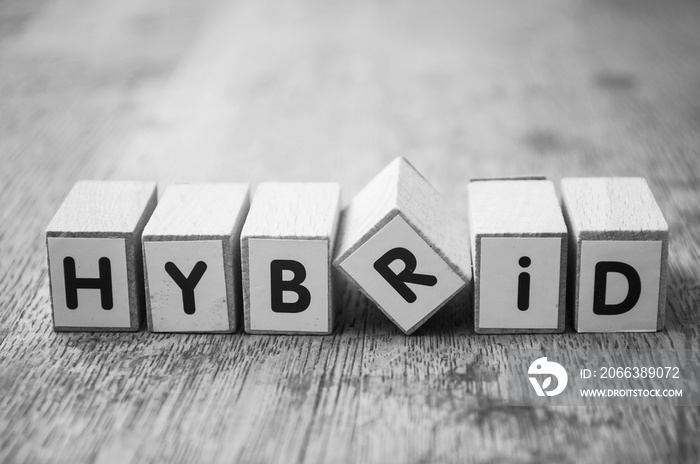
(405,277)
(519,283)
(186,286)
(619,286)
(288,285)
(89,282)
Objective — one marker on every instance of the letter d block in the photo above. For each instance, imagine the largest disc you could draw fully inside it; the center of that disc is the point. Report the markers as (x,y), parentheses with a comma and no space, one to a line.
(192,258)
(402,247)
(94,253)
(618,254)
(286,247)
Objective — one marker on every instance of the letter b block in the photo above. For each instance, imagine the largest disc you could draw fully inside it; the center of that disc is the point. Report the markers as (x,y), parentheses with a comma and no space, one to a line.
(618,254)
(286,247)
(402,247)
(94,253)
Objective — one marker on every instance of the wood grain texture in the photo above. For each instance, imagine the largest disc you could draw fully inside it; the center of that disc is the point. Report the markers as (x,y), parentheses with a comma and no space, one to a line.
(316,91)
(108,209)
(613,209)
(195,212)
(514,207)
(295,212)
(526,207)
(199,211)
(104,207)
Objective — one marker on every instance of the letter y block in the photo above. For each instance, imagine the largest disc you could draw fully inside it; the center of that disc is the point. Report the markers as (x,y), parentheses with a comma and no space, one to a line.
(617,256)
(286,248)
(402,247)
(191,250)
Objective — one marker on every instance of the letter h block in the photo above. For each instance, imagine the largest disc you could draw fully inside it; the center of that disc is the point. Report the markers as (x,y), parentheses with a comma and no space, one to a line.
(93,245)
(191,250)
(286,248)
(402,247)
(618,254)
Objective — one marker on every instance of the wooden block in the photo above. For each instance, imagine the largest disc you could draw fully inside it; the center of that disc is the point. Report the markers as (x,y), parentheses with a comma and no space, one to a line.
(402,247)
(93,245)
(287,243)
(519,244)
(618,254)
(192,258)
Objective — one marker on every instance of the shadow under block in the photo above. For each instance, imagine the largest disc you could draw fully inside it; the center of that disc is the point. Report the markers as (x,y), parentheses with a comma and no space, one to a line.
(618,254)
(286,247)
(191,249)
(519,244)
(403,247)
(93,245)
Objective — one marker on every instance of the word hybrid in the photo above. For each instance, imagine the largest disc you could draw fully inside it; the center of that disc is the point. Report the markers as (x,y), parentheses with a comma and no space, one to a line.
(207,259)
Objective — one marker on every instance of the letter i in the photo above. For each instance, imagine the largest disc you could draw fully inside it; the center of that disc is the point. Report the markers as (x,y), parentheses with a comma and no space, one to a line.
(524,285)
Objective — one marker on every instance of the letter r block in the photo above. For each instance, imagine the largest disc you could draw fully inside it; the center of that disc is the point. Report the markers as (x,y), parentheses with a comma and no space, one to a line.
(402,247)
(286,247)
(191,250)
(618,254)
(94,253)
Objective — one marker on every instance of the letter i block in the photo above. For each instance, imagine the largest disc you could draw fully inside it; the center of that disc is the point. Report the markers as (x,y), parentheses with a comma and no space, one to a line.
(618,254)
(402,247)
(286,247)
(519,244)
(94,254)
(192,258)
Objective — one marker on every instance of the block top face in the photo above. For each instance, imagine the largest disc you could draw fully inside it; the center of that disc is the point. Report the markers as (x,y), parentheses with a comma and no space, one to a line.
(373,203)
(103,207)
(514,207)
(293,210)
(204,210)
(400,187)
(615,204)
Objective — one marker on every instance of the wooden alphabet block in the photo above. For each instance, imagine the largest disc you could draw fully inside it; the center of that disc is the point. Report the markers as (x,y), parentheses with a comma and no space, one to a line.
(402,247)
(618,254)
(192,258)
(286,244)
(93,245)
(519,244)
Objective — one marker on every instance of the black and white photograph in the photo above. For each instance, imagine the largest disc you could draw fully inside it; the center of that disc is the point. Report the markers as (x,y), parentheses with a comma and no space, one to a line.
(338,231)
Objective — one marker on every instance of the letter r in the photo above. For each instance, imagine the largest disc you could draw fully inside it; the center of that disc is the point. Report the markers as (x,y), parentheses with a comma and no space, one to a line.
(407,275)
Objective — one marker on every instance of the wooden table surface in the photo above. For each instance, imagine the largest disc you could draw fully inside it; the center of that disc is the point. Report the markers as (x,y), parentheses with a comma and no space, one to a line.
(257,90)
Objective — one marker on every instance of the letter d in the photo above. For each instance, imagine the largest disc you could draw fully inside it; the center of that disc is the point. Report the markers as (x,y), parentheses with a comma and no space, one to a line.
(602,269)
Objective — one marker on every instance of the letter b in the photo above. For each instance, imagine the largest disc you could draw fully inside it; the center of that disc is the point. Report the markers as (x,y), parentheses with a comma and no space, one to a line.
(278,286)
